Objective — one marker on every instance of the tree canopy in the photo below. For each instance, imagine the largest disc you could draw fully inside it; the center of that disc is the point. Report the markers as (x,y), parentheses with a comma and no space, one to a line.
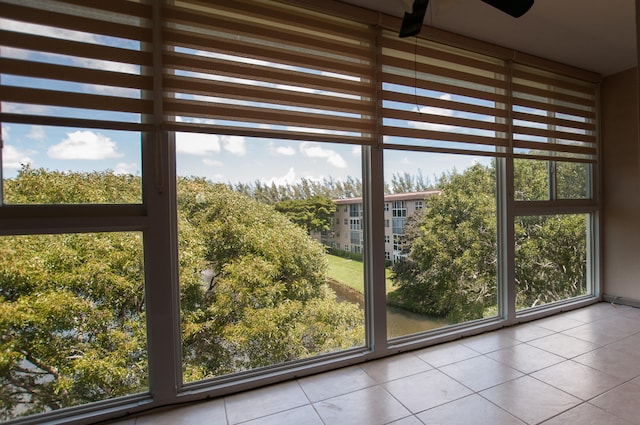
(72,306)
(313,214)
(450,269)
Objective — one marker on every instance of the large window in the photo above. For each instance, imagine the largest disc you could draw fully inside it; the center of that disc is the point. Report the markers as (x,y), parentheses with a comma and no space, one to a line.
(257,289)
(198,197)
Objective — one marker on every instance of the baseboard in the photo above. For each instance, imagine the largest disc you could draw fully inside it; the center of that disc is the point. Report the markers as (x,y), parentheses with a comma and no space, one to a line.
(621,300)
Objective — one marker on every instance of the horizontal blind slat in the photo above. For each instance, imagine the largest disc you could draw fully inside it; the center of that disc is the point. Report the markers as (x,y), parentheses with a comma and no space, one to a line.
(219,67)
(412,99)
(446,137)
(264,116)
(74,23)
(453,122)
(261,94)
(74,74)
(586,126)
(408,81)
(74,100)
(74,48)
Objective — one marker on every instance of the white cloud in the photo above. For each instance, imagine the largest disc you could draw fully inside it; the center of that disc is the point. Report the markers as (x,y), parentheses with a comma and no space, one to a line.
(85,145)
(209,144)
(282,150)
(36,133)
(315,150)
(197,144)
(234,144)
(126,168)
(212,162)
(356,150)
(14,158)
(288,178)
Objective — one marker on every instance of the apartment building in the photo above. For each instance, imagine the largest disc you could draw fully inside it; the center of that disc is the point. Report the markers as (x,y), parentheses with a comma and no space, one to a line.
(347,226)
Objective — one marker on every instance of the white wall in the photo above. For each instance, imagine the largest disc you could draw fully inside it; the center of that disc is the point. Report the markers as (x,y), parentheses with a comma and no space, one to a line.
(621,187)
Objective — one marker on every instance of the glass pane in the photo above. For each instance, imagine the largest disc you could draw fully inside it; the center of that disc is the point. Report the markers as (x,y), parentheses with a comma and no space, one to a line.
(572,180)
(72,315)
(442,257)
(551,258)
(61,165)
(531,180)
(258,288)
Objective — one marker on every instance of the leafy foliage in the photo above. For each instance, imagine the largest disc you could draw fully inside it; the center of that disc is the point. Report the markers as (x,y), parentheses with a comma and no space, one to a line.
(451,265)
(72,305)
(313,214)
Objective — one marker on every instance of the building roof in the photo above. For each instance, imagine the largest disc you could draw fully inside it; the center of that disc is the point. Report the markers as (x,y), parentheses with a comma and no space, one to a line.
(408,196)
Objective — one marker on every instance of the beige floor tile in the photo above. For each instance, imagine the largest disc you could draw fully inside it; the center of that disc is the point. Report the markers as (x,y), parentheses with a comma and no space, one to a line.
(593,313)
(264,401)
(480,373)
(577,379)
(305,415)
(622,401)
(445,354)
(594,335)
(558,323)
(526,332)
(586,414)
(334,383)
(205,413)
(530,400)
(613,362)
(371,406)
(469,410)
(606,331)
(426,390)
(489,342)
(630,345)
(564,345)
(525,358)
(409,420)
(395,367)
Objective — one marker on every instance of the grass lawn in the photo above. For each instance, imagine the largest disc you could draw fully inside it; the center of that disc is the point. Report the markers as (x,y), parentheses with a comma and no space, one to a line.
(351,273)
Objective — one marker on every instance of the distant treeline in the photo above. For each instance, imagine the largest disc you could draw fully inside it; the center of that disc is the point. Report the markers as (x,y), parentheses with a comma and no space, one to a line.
(328,188)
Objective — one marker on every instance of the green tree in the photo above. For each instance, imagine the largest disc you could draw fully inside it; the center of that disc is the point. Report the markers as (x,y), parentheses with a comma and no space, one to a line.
(450,270)
(313,214)
(267,301)
(451,265)
(72,308)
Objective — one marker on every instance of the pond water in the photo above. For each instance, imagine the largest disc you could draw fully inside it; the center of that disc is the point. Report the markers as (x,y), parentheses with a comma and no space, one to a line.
(399,322)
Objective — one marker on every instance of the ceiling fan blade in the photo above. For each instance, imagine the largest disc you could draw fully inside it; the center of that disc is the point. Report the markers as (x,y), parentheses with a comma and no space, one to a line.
(515,8)
(412,21)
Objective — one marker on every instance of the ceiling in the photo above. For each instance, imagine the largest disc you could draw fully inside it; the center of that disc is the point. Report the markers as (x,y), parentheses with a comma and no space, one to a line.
(598,36)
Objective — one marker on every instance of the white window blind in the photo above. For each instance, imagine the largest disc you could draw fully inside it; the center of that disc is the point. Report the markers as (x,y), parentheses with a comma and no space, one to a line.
(267,69)
(76,63)
(442,99)
(554,116)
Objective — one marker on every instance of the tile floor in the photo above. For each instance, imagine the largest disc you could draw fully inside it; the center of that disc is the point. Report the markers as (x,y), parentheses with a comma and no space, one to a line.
(581,367)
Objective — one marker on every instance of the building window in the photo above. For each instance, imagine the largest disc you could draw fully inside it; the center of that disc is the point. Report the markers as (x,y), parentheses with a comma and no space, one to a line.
(386,238)
(386,223)
(386,206)
(399,209)
(419,205)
